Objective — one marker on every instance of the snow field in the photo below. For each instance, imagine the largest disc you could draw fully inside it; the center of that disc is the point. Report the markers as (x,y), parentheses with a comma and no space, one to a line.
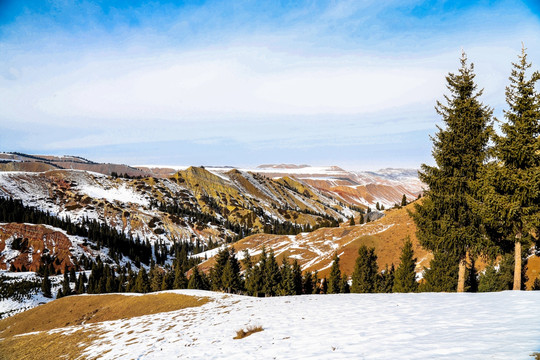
(502,325)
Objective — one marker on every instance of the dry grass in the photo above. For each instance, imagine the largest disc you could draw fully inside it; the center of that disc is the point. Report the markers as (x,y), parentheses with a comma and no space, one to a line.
(44,345)
(76,310)
(242,333)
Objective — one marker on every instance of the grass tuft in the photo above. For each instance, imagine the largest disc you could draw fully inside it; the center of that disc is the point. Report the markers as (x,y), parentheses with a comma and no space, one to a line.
(242,333)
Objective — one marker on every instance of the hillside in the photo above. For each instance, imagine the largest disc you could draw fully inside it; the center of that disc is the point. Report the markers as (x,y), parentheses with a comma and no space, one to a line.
(192,204)
(314,251)
(358,188)
(191,324)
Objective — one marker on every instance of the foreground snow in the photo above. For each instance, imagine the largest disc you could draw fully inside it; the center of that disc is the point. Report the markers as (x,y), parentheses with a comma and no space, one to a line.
(354,326)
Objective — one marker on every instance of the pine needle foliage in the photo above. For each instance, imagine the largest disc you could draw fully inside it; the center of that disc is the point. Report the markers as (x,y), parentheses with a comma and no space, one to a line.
(445,219)
(510,185)
(364,277)
(405,276)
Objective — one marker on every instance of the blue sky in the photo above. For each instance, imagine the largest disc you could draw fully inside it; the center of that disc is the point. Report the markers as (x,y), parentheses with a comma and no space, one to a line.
(350,83)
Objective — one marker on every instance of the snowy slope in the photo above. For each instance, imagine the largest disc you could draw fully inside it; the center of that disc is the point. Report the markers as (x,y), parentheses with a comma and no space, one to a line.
(347,326)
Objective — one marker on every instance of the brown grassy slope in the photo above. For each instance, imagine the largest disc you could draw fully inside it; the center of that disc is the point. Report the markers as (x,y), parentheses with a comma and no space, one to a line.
(315,250)
(76,310)
(31,166)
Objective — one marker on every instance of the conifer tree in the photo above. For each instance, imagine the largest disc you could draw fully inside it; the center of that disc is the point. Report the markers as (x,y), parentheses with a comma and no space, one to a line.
(80,284)
(344,286)
(307,283)
(197,280)
(46,284)
(334,280)
(510,185)
(351,221)
(142,284)
(230,280)
(364,277)
(404,200)
(286,287)
(297,277)
(442,274)
(180,280)
(445,220)
(471,284)
(66,288)
(216,273)
(405,276)
(272,275)
(385,282)
(249,275)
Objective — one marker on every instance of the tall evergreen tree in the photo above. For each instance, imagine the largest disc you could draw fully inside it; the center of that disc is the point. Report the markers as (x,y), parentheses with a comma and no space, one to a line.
(286,286)
(231,280)
(46,284)
(142,284)
(272,275)
(445,220)
(334,280)
(404,200)
(66,288)
(364,277)
(216,273)
(405,276)
(510,185)
(197,280)
(297,277)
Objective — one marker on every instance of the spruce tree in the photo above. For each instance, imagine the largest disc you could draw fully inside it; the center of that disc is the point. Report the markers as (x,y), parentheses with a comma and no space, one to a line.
(364,277)
(46,284)
(180,280)
(405,276)
(510,185)
(249,275)
(297,277)
(351,221)
(334,280)
(286,287)
(231,280)
(66,288)
(307,283)
(142,284)
(216,273)
(345,288)
(445,220)
(196,280)
(271,276)
(442,274)
(404,200)
(385,282)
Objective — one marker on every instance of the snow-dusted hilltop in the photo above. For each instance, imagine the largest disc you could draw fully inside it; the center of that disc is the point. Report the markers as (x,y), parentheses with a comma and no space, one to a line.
(501,326)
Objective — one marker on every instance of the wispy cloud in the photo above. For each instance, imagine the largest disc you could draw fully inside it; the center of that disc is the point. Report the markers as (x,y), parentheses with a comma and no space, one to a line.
(85,75)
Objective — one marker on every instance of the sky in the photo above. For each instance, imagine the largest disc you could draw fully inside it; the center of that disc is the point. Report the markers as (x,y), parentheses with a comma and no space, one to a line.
(243,83)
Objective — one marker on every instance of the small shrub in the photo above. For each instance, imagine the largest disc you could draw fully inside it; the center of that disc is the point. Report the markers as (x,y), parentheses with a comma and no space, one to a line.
(242,333)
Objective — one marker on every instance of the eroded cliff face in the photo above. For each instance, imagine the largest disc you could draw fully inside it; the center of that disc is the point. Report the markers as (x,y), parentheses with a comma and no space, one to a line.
(23,246)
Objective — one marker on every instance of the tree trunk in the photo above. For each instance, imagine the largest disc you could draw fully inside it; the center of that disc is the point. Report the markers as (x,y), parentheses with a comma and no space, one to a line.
(461,275)
(517,266)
